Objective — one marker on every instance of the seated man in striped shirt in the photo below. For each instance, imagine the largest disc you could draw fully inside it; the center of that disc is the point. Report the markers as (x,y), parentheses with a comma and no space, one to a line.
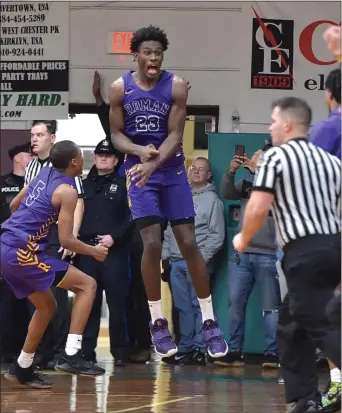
(43,136)
(301,183)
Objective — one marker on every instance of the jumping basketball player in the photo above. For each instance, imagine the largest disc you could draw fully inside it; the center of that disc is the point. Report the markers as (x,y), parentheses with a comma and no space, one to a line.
(30,272)
(148,111)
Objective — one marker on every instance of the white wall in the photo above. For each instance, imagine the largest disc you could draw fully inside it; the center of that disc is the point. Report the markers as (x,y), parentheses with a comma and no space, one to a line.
(210,45)
(194,52)
(211,48)
(84,130)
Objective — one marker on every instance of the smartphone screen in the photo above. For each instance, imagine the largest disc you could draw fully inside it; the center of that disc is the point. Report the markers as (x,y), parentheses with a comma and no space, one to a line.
(240,150)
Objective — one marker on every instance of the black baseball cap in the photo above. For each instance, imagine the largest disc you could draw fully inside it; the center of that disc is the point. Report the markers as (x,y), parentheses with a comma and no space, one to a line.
(106,147)
(26,147)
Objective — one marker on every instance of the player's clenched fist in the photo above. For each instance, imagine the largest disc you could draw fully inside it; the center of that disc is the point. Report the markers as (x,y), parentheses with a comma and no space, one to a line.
(239,243)
(148,152)
(140,173)
(100,252)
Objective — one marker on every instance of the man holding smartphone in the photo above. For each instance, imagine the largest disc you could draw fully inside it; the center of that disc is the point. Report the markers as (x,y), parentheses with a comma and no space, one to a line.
(255,266)
(240,152)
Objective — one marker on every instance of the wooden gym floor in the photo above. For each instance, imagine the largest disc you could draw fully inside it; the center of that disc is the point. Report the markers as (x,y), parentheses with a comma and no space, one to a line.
(153,388)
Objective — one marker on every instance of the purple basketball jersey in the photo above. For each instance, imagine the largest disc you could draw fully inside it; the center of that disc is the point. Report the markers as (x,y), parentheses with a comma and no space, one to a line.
(25,265)
(146,114)
(31,223)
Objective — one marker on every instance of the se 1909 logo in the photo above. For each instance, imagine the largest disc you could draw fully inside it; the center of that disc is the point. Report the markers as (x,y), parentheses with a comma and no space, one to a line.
(272,53)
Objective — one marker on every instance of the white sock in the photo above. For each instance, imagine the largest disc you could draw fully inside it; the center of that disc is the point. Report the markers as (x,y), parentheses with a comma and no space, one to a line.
(335,375)
(25,360)
(206,308)
(155,310)
(73,344)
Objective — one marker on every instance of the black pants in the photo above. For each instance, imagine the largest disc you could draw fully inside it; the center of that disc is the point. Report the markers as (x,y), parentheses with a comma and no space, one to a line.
(312,267)
(112,276)
(14,320)
(137,310)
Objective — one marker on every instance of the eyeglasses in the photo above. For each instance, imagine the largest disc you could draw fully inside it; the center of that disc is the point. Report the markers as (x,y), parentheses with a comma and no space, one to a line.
(199,169)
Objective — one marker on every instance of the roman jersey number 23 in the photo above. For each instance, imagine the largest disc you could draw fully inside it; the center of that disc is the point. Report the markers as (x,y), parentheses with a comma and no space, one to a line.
(147,123)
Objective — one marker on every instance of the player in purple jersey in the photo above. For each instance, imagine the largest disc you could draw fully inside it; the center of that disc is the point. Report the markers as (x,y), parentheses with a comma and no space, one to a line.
(147,116)
(30,272)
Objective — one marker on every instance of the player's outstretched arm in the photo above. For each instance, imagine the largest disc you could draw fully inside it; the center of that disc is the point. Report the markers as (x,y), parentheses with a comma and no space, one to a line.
(176,121)
(116,120)
(65,198)
(14,205)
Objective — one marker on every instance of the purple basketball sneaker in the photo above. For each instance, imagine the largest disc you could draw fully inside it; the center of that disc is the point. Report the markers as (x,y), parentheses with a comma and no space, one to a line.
(162,339)
(217,346)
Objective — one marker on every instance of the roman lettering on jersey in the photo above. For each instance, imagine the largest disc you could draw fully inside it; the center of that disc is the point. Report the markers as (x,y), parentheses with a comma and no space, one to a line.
(146,104)
(143,105)
(146,114)
(10,189)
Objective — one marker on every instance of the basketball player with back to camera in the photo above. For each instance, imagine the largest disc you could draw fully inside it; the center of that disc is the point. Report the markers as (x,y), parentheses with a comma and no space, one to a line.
(147,117)
(30,271)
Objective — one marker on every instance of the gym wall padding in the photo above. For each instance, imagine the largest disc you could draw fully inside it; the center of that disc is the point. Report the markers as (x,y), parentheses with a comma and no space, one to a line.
(221,151)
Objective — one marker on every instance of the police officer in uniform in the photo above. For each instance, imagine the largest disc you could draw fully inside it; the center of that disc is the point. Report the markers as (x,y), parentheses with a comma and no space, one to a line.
(12,183)
(13,312)
(106,220)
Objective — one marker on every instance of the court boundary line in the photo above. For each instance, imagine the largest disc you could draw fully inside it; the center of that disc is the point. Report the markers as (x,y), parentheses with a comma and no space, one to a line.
(51,392)
(132,409)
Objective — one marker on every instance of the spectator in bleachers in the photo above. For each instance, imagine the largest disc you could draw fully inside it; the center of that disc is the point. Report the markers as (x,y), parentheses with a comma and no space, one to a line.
(210,235)
(256,266)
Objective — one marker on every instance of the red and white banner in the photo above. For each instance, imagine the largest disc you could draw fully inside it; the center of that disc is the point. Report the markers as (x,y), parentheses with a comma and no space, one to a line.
(285,54)
(282,48)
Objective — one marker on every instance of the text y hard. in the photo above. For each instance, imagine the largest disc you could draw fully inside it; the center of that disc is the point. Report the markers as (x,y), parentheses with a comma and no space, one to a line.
(33,99)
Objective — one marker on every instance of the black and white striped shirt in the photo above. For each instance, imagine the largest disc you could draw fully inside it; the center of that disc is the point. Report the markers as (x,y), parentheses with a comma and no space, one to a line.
(33,168)
(306,182)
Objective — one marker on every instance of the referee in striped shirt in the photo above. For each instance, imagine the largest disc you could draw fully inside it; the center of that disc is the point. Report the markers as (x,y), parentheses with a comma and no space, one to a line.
(43,136)
(35,165)
(301,183)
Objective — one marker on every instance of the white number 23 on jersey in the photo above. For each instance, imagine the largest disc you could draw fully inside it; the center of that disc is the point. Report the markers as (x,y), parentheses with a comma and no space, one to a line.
(147,123)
